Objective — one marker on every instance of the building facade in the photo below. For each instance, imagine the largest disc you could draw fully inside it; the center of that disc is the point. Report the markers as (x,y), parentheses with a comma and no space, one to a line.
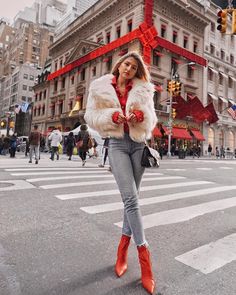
(220,82)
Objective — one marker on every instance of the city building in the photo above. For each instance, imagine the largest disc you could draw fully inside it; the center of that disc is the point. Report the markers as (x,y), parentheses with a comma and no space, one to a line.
(220,78)
(102,28)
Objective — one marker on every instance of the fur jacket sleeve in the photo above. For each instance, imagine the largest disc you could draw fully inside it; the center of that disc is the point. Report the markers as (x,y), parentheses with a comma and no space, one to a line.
(103,103)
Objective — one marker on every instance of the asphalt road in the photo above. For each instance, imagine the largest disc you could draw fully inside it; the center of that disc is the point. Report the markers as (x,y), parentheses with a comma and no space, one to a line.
(60,226)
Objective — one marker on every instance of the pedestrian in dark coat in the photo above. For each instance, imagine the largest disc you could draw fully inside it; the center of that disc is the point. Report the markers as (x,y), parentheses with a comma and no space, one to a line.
(84,137)
(70,144)
(13,144)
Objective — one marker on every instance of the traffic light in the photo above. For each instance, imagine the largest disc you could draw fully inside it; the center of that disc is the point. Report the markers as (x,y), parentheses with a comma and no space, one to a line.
(177,88)
(174,113)
(222,20)
(234,21)
(12,124)
(171,86)
(3,124)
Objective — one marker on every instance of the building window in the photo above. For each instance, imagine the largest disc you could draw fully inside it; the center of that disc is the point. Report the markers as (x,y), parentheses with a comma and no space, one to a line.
(36,97)
(40,95)
(163,31)
(45,94)
(61,63)
(155,58)
(185,44)
(55,85)
(190,72)
(231,59)
(210,75)
(94,71)
(60,107)
(23,98)
(108,37)
(195,47)
(25,76)
(220,105)
(63,83)
(174,37)
(129,25)
(212,49)
(82,75)
(212,27)
(174,66)
(31,77)
(43,110)
(30,88)
(221,79)
(230,82)
(118,32)
(100,39)
(24,87)
(222,54)
(72,80)
(55,66)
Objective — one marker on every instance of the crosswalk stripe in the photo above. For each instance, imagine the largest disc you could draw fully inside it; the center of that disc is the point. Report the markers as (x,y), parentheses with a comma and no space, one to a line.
(207,169)
(175,169)
(212,256)
(184,214)
(79,177)
(116,191)
(53,169)
(154,200)
(226,168)
(16,185)
(72,184)
(55,173)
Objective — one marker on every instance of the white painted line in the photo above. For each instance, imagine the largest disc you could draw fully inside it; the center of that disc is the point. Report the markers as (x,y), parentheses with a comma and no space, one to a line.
(212,256)
(54,169)
(226,168)
(16,185)
(154,200)
(206,169)
(175,169)
(115,192)
(78,177)
(184,214)
(88,183)
(55,173)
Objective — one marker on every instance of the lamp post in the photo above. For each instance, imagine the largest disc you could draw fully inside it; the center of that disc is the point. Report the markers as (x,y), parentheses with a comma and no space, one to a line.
(173,77)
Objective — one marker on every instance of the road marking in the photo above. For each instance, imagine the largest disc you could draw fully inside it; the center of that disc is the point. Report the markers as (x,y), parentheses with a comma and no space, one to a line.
(154,200)
(207,169)
(175,169)
(226,168)
(16,185)
(55,173)
(79,177)
(116,191)
(212,256)
(53,169)
(184,214)
(88,183)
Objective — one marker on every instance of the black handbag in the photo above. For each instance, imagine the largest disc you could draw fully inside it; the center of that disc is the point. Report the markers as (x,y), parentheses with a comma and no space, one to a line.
(150,158)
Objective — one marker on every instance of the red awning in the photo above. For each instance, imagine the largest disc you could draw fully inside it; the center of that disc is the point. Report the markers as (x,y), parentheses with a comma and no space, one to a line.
(156,132)
(198,135)
(180,133)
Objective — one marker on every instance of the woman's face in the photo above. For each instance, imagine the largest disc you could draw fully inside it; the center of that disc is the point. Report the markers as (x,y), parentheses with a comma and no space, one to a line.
(128,68)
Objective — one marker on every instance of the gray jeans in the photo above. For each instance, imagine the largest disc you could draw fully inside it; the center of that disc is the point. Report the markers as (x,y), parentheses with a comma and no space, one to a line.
(35,149)
(125,160)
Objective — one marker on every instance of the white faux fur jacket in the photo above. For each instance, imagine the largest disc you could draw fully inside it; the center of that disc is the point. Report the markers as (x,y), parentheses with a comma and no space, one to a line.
(103,102)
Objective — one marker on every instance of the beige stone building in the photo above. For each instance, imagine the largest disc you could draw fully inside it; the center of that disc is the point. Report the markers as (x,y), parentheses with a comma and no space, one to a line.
(181,40)
(220,82)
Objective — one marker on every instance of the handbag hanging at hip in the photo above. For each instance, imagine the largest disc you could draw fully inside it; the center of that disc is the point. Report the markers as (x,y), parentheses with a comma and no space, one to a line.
(150,158)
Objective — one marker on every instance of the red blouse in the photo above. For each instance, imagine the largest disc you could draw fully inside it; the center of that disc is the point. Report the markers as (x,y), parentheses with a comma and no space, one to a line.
(123,101)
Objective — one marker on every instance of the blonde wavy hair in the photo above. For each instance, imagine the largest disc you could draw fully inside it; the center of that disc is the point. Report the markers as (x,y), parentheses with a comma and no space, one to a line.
(142,71)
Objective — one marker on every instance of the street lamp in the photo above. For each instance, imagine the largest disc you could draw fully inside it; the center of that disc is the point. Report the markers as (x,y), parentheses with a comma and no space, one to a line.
(173,76)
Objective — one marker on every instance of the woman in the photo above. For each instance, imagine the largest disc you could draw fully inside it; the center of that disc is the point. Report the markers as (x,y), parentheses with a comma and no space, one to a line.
(70,144)
(120,106)
(82,143)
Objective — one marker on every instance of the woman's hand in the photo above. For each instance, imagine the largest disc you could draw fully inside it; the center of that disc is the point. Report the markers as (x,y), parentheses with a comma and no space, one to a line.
(132,118)
(118,118)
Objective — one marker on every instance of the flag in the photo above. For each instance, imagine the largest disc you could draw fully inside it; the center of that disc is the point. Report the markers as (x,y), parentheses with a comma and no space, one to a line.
(75,108)
(17,108)
(232,111)
(24,107)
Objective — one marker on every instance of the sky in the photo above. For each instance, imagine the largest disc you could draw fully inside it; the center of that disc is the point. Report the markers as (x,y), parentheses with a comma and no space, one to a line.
(9,8)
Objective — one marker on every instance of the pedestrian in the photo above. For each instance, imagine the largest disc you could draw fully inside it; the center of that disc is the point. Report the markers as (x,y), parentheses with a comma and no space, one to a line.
(1,143)
(104,152)
(82,143)
(120,105)
(34,142)
(6,145)
(209,150)
(13,145)
(217,153)
(27,147)
(55,137)
(222,152)
(70,144)
(161,151)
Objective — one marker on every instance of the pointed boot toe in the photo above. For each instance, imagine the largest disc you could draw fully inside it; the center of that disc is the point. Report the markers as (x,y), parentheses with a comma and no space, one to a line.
(122,253)
(149,285)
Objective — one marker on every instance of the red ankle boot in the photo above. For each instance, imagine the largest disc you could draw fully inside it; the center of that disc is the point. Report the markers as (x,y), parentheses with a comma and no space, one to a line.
(146,269)
(122,252)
